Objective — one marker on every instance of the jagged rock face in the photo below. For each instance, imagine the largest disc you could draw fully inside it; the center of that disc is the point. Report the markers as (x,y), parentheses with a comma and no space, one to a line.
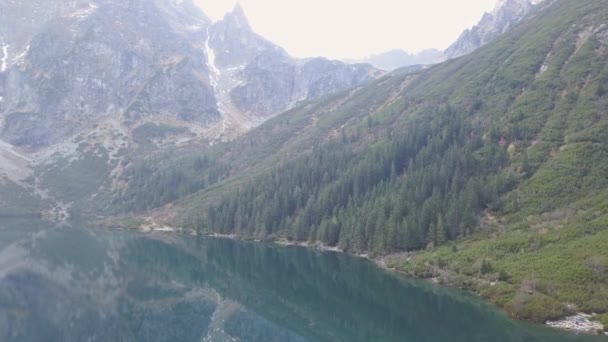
(318,76)
(258,78)
(125,59)
(505,15)
(66,64)
(234,43)
(275,83)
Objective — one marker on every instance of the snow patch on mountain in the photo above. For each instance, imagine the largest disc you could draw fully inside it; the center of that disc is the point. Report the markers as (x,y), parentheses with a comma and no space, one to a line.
(3,64)
(21,57)
(213,69)
(13,165)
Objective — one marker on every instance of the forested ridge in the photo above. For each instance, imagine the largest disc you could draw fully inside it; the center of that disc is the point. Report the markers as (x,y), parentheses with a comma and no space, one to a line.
(494,164)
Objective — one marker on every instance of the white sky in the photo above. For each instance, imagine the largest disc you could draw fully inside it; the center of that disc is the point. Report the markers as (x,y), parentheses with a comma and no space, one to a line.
(356,28)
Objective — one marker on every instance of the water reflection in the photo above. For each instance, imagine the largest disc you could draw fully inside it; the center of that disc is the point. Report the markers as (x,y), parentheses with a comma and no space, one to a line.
(75,285)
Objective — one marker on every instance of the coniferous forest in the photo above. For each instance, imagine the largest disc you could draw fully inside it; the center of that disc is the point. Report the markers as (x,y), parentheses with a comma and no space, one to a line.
(409,191)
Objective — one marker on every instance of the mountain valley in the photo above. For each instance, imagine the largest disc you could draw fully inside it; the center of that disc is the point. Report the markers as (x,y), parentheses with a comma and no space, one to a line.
(487,171)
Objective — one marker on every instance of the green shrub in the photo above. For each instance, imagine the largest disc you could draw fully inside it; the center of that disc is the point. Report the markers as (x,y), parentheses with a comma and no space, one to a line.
(537,307)
(504,276)
(604,320)
(486,267)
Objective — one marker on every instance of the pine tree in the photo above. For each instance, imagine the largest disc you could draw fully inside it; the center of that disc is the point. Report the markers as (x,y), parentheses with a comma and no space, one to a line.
(441,234)
(431,238)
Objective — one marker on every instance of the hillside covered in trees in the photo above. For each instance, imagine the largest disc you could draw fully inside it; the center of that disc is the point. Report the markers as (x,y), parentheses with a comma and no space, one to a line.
(495,164)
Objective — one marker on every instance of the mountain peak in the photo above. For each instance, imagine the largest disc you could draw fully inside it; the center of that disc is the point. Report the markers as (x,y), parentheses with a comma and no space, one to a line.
(237,17)
(501,4)
(238,9)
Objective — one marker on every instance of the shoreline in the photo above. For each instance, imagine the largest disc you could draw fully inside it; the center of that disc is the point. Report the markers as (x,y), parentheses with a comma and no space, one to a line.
(579,323)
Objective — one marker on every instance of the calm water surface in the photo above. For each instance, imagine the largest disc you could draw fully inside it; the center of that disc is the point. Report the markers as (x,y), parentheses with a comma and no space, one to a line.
(82,285)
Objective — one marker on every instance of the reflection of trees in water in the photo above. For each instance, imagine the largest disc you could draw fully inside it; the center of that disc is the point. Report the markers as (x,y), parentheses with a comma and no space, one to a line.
(162,291)
(331,296)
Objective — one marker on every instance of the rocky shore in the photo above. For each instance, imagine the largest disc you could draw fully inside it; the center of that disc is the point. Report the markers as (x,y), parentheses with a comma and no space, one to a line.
(581,322)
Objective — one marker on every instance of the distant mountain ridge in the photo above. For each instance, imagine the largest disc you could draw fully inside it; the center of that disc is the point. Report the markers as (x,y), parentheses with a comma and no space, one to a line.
(396,59)
(505,15)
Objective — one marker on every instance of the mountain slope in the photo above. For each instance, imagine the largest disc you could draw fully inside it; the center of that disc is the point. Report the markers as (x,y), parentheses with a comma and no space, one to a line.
(502,151)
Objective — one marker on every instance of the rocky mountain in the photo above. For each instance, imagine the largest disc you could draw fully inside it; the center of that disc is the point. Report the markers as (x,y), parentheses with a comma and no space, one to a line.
(73,63)
(254,78)
(87,86)
(506,14)
(396,59)
(83,61)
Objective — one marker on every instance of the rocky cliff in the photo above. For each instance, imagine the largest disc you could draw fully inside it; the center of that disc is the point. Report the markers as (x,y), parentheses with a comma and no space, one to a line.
(255,78)
(68,64)
(506,14)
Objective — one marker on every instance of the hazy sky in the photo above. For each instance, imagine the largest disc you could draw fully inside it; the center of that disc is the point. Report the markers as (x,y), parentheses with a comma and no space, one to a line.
(356,28)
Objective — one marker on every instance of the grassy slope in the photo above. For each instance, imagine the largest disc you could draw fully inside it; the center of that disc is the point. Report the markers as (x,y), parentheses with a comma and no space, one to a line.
(533,267)
(544,245)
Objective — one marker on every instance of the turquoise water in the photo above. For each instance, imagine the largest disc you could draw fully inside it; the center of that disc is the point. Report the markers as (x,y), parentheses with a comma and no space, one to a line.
(79,285)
